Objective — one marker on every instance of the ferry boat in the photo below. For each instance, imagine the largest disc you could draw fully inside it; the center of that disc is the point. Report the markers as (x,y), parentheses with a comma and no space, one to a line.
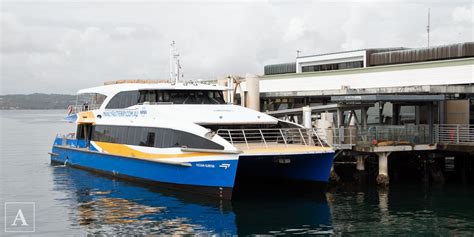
(185,136)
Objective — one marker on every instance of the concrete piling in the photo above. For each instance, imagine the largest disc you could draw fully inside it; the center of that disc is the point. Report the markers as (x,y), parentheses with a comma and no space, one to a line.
(360,163)
(360,174)
(307,123)
(333,177)
(382,178)
(307,117)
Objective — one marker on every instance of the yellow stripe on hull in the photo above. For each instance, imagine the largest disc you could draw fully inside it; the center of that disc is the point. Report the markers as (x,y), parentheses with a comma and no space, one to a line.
(124,150)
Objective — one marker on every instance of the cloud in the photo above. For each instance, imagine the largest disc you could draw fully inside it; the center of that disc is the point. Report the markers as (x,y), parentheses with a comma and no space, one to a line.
(134,32)
(18,38)
(62,47)
(295,29)
(462,14)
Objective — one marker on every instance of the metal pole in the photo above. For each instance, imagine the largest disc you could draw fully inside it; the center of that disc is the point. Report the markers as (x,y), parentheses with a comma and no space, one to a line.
(430,121)
(457,133)
(363,116)
(340,118)
(380,112)
(417,114)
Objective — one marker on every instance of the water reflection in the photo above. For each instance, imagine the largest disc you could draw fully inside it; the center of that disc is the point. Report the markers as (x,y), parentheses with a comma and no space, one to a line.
(103,205)
(402,209)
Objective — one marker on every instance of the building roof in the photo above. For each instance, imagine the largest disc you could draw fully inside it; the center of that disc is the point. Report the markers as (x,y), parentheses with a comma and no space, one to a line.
(357,50)
(392,98)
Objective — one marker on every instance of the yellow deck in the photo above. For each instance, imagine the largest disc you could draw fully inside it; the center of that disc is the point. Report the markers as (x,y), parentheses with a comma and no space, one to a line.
(275,148)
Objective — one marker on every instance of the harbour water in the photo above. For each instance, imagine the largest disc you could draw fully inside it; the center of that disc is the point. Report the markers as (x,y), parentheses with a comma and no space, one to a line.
(69,201)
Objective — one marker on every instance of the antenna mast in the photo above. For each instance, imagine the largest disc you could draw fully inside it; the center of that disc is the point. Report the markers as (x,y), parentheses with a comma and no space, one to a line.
(175,66)
(171,62)
(428,27)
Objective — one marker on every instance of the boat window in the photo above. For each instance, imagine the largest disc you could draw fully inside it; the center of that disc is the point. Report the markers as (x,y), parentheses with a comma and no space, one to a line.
(84,132)
(147,96)
(123,99)
(98,99)
(136,136)
(152,137)
(80,132)
(121,133)
(181,97)
(88,101)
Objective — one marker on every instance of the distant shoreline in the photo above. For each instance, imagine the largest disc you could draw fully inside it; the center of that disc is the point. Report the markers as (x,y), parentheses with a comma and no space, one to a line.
(36,101)
(31,109)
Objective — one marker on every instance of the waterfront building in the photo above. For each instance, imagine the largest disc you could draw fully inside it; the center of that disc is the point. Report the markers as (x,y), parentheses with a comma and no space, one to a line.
(378,100)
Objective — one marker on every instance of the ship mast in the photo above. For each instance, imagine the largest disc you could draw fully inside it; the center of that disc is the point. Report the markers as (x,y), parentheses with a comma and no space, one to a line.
(175,65)
(428,28)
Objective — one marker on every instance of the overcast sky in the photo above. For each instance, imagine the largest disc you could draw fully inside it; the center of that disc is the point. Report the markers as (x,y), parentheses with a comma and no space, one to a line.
(59,47)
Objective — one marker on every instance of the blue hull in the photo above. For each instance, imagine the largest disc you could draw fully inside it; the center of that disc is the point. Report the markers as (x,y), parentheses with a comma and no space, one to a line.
(208,179)
(205,177)
(304,167)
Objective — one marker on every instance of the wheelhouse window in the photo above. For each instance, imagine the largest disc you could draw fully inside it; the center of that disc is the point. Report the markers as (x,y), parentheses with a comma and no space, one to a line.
(151,137)
(126,99)
(147,96)
(88,101)
(181,97)
(123,99)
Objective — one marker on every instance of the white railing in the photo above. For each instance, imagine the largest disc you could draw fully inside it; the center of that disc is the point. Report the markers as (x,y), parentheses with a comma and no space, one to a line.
(461,134)
(271,137)
(341,138)
(347,137)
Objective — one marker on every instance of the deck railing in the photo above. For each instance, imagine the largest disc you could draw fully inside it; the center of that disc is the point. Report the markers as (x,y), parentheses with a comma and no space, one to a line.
(270,137)
(341,138)
(346,138)
(459,134)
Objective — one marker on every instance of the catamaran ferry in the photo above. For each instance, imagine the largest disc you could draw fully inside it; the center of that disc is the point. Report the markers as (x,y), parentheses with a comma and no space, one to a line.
(185,136)
(188,137)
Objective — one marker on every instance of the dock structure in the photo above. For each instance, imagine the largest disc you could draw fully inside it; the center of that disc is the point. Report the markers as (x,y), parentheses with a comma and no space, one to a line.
(377,102)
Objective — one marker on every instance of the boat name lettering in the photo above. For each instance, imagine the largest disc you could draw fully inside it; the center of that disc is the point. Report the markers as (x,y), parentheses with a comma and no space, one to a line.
(205,165)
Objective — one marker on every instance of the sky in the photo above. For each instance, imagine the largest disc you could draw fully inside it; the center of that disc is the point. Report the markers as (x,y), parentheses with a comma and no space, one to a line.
(63,46)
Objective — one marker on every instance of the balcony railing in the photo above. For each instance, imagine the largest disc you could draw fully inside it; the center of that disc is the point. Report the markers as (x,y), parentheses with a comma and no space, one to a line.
(346,138)
(459,134)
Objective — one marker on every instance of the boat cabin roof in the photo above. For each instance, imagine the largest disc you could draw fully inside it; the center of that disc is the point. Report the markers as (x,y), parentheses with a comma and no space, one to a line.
(115,88)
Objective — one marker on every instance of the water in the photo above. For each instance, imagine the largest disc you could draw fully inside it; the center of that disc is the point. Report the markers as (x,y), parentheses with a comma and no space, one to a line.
(75,202)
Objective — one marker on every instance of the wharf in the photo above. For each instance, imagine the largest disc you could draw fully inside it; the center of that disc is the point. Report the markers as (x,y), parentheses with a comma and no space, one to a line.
(375,104)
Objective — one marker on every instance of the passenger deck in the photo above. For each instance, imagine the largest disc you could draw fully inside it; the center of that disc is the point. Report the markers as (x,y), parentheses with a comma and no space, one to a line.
(278,141)
(279,149)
